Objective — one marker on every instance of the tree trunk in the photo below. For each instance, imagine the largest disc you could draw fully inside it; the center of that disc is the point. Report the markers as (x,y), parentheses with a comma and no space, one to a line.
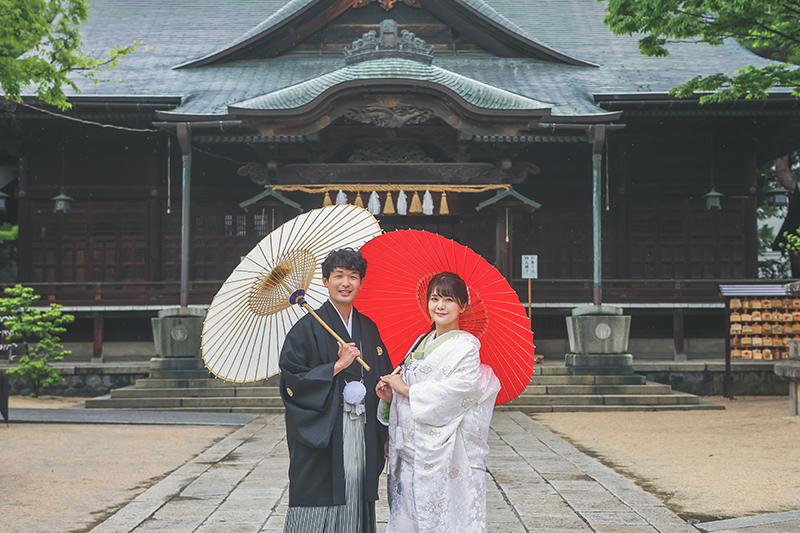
(784,172)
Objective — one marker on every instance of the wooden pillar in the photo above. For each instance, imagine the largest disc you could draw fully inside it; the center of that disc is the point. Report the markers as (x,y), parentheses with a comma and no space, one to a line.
(502,246)
(751,220)
(25,222)
(154,240)
(97,347)
(678,334)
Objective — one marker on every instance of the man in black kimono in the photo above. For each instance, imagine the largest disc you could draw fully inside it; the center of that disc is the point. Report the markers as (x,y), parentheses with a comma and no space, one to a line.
(336,448)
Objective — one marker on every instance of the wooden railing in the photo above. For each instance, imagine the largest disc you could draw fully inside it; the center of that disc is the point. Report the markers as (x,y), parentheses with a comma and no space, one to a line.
(542,290)
(629,290)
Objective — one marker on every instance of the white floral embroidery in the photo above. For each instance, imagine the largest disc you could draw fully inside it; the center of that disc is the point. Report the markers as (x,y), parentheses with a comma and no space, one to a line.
(429,467)
(454,473)
(436,432)
(425,369)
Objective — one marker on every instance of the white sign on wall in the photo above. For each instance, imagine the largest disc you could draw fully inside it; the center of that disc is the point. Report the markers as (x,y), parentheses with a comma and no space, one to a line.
(530,267)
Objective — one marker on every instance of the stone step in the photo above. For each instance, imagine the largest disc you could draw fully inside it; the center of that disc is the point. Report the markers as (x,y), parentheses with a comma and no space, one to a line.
(539,370)
(179,374)
(160,383)
(199,403)
(648,388)
(675,398)
(532,409)
(249,410)
(238,391)
(605,399)
(557,399)
(587,380)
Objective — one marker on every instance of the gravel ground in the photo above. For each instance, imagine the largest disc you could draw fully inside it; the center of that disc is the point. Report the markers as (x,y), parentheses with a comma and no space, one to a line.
(69,477)
(708,465)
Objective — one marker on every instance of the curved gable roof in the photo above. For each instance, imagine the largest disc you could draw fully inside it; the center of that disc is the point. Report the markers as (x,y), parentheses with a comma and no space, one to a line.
(471,92)
(305,16)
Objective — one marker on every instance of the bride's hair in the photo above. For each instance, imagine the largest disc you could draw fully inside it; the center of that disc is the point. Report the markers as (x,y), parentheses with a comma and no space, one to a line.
(449,284)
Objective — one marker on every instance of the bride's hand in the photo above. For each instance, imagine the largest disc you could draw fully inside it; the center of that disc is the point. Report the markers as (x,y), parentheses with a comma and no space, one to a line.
(396,383)
(384,391)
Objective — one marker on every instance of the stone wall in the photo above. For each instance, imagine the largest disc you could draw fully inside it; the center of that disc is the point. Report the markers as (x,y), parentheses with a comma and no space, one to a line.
(86,381)
(705,379)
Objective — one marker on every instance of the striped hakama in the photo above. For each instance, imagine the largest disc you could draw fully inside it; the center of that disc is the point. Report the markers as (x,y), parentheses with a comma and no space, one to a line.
(357,515)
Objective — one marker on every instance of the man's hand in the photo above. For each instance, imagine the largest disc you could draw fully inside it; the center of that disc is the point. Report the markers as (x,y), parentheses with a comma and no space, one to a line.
(347,354)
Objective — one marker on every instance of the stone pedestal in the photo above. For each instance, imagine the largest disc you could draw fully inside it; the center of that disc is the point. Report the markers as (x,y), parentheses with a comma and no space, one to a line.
(791,370)
(598,341)
(177,336)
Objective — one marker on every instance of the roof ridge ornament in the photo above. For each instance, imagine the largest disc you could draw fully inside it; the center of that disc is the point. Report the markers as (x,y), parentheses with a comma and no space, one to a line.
(386,43)
(387,4)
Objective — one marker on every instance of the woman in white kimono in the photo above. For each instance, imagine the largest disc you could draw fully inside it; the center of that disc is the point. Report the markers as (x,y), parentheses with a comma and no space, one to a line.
(438,410)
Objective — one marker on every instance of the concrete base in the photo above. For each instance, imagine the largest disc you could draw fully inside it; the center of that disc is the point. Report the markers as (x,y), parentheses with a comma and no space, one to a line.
(178,368)
(177,332)
(592,364)
(598,334)
(791,370)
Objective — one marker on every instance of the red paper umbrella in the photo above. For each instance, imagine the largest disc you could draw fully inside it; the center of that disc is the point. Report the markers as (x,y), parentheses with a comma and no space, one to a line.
(399,266)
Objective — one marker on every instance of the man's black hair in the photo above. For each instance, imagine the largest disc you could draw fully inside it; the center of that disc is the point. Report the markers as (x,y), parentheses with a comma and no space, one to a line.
(345,258)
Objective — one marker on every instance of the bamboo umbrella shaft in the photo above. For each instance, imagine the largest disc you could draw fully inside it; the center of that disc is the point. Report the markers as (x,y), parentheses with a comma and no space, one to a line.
(335,336)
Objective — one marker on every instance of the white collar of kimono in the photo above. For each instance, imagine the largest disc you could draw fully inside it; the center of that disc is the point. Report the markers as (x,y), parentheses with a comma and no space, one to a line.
(348,324)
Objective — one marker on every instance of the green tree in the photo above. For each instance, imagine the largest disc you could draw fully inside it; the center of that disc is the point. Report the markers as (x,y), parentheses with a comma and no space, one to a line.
(40,46)
(769,27)
(28,326)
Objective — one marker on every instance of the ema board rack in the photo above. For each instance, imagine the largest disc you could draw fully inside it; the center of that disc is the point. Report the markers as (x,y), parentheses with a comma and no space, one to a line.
(761,328)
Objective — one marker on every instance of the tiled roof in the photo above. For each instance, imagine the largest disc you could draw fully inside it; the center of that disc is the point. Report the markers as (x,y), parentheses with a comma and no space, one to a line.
(179,31)
(285,12)
(492,14)
(473,92)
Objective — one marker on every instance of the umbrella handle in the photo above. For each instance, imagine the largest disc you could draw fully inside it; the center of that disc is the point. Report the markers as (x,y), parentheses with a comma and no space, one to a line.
(327,327)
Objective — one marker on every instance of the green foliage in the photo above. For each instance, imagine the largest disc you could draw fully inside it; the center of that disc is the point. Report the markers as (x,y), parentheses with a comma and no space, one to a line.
(762,26)
(774,269)
(28,325)
(40,46)
(8,232)
(792,244)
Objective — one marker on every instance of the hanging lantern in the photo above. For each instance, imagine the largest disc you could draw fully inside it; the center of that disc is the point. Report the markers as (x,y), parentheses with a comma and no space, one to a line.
(712,199)
(62,202)
(778,197)
(3,197)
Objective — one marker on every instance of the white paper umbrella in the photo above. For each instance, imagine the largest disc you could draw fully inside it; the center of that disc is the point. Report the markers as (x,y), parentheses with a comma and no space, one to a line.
(253,311)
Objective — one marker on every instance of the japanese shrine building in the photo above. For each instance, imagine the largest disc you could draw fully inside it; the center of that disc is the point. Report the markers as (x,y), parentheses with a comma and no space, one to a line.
(498,106)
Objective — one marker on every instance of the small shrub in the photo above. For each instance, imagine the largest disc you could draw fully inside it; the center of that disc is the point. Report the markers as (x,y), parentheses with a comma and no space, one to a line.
(29,326)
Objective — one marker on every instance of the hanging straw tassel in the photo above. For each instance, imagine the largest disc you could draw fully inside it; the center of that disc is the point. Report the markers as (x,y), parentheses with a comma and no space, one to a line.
(427,203)
(341,198)
(359,202)
(374,204)
(402,203)
(444,209)
(416,204)
(388,206)
(327,200)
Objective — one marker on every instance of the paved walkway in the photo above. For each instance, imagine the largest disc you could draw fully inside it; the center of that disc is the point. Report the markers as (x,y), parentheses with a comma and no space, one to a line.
(536,482)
